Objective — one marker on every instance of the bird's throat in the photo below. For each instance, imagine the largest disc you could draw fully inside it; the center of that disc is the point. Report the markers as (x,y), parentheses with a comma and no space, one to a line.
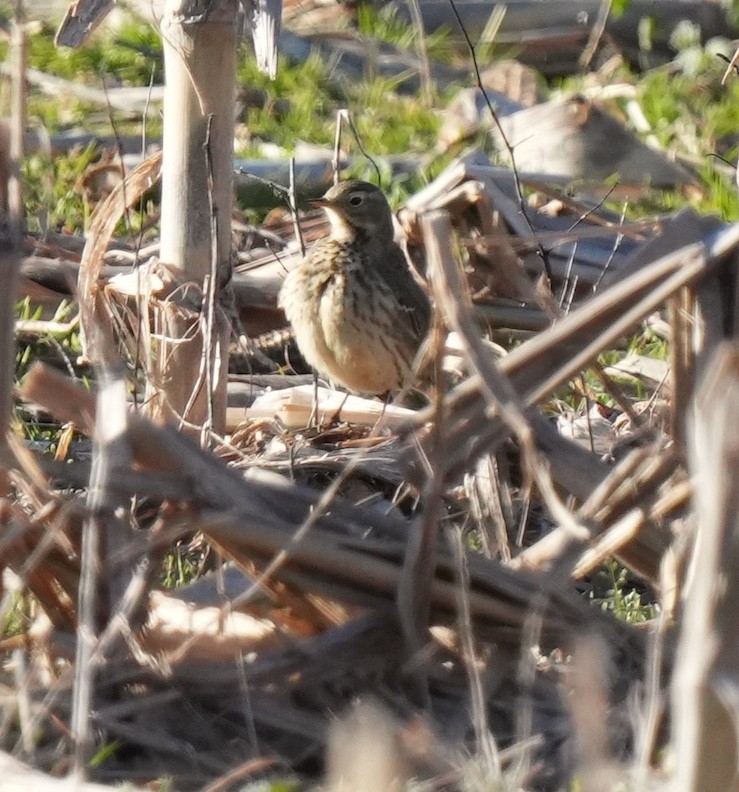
(341,230)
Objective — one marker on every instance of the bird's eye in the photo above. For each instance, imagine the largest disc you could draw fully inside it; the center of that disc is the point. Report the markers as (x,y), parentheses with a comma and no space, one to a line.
(355,200)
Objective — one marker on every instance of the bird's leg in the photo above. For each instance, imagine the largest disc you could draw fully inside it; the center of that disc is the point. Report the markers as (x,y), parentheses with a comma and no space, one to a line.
(336,417)
(313,418)
(378,423)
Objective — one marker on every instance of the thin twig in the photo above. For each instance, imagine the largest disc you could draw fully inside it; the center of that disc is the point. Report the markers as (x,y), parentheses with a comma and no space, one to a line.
(293,202)
(213,352)
(343,115)
(543,254)
(596,34)
(486,745)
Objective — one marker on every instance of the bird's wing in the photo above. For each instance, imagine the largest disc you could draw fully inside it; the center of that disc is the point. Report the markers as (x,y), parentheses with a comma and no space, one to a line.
(415,309)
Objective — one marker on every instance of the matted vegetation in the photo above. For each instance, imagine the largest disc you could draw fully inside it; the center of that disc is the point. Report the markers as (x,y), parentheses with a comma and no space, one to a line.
(482,591)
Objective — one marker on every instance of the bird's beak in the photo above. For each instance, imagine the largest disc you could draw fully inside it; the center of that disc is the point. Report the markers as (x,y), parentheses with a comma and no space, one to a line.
(320,202)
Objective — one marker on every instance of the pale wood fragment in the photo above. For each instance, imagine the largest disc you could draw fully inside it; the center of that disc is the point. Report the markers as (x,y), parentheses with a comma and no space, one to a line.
(82,17)
(20,777)
(571,136)
(128,99)
(293,408)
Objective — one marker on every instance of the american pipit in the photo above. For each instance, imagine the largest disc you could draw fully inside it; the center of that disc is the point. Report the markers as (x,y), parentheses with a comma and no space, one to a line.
(358,315)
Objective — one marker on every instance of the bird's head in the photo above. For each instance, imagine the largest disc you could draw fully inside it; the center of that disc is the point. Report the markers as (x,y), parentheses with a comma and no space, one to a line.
(357,205)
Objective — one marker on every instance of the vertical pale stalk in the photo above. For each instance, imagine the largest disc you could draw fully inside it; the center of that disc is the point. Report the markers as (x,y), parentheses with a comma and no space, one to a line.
(11,244)
(197,174)
(103,534)
(705,689)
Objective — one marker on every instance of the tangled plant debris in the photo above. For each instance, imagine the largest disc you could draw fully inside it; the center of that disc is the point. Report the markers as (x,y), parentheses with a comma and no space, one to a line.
(374,594)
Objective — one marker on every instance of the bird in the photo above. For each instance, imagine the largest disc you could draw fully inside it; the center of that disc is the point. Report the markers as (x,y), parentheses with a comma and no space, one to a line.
(358,315)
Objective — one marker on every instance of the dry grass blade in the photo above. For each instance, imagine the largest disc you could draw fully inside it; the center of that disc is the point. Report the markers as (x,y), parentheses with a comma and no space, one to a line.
(107,215)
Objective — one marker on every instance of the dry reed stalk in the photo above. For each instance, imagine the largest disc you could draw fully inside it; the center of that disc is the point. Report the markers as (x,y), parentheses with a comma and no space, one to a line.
(538,366)
(705,688)
(104,532)
(589,702)
(11,245)
(682,313)
(641,494)
(190,369)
